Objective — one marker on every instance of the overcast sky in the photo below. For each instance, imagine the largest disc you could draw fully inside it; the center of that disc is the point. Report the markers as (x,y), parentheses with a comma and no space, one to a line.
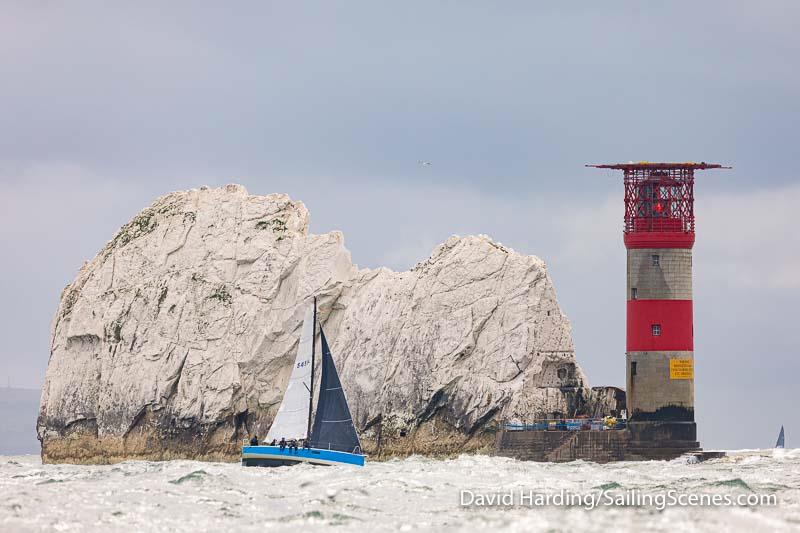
(103,109)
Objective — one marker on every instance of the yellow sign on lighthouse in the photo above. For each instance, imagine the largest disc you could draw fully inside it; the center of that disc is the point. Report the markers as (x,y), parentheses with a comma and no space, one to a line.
(681,369)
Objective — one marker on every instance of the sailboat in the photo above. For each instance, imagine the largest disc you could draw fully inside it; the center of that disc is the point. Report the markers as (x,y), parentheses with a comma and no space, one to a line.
(780,443)
(332,438)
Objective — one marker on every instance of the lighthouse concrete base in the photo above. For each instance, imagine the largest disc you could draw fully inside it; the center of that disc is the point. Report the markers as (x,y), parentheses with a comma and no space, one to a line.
(596,446)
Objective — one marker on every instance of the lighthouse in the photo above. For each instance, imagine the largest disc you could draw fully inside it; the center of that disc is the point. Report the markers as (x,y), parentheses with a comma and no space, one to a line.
(659,233)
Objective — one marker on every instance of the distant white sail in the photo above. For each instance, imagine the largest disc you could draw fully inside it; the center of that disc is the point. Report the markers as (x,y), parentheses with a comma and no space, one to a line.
(291,422)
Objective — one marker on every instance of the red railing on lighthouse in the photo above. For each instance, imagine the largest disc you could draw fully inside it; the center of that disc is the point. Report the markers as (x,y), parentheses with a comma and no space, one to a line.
(659,200)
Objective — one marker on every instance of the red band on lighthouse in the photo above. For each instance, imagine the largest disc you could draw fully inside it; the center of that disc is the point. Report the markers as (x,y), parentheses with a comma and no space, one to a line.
(659,239)
(673,319)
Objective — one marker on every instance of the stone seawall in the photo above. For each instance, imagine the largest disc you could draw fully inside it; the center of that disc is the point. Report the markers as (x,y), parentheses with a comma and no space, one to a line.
(596,446)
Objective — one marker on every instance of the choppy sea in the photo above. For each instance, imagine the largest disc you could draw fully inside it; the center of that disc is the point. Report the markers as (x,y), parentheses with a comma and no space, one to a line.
(402,495)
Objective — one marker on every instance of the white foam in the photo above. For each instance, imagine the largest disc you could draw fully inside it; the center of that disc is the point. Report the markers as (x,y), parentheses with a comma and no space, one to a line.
(411,494)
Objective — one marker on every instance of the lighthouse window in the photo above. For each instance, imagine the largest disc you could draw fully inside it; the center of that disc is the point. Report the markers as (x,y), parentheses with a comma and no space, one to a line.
(656,330)
(633,368)
(656,260)
(633,293)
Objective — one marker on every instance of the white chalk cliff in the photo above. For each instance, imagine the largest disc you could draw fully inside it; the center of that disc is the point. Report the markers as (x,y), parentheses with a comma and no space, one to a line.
(177,339)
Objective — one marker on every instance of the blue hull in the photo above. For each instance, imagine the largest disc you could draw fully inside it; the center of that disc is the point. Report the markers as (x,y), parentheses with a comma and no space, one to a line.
(274,456)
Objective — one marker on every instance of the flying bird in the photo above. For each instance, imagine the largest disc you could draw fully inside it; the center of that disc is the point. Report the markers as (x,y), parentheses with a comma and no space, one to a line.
(422,163)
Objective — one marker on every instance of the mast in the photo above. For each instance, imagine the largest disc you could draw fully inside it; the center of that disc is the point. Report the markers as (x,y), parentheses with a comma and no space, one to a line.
(311,390)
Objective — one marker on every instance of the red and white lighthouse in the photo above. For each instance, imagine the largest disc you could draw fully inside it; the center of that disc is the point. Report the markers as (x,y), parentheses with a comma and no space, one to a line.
(659,235)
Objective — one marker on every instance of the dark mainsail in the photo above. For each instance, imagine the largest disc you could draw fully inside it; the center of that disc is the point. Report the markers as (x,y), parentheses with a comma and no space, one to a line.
(333,424)
(780,442)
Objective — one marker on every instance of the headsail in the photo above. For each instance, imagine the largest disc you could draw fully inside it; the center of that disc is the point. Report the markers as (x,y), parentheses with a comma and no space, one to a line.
(780,443)
(333,424)
(291,421)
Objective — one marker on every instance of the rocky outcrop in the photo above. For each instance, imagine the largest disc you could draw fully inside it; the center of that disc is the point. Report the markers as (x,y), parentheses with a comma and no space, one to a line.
(177,339)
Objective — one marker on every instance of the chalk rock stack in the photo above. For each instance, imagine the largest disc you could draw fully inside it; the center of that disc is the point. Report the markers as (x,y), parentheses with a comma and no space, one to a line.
(177,339)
